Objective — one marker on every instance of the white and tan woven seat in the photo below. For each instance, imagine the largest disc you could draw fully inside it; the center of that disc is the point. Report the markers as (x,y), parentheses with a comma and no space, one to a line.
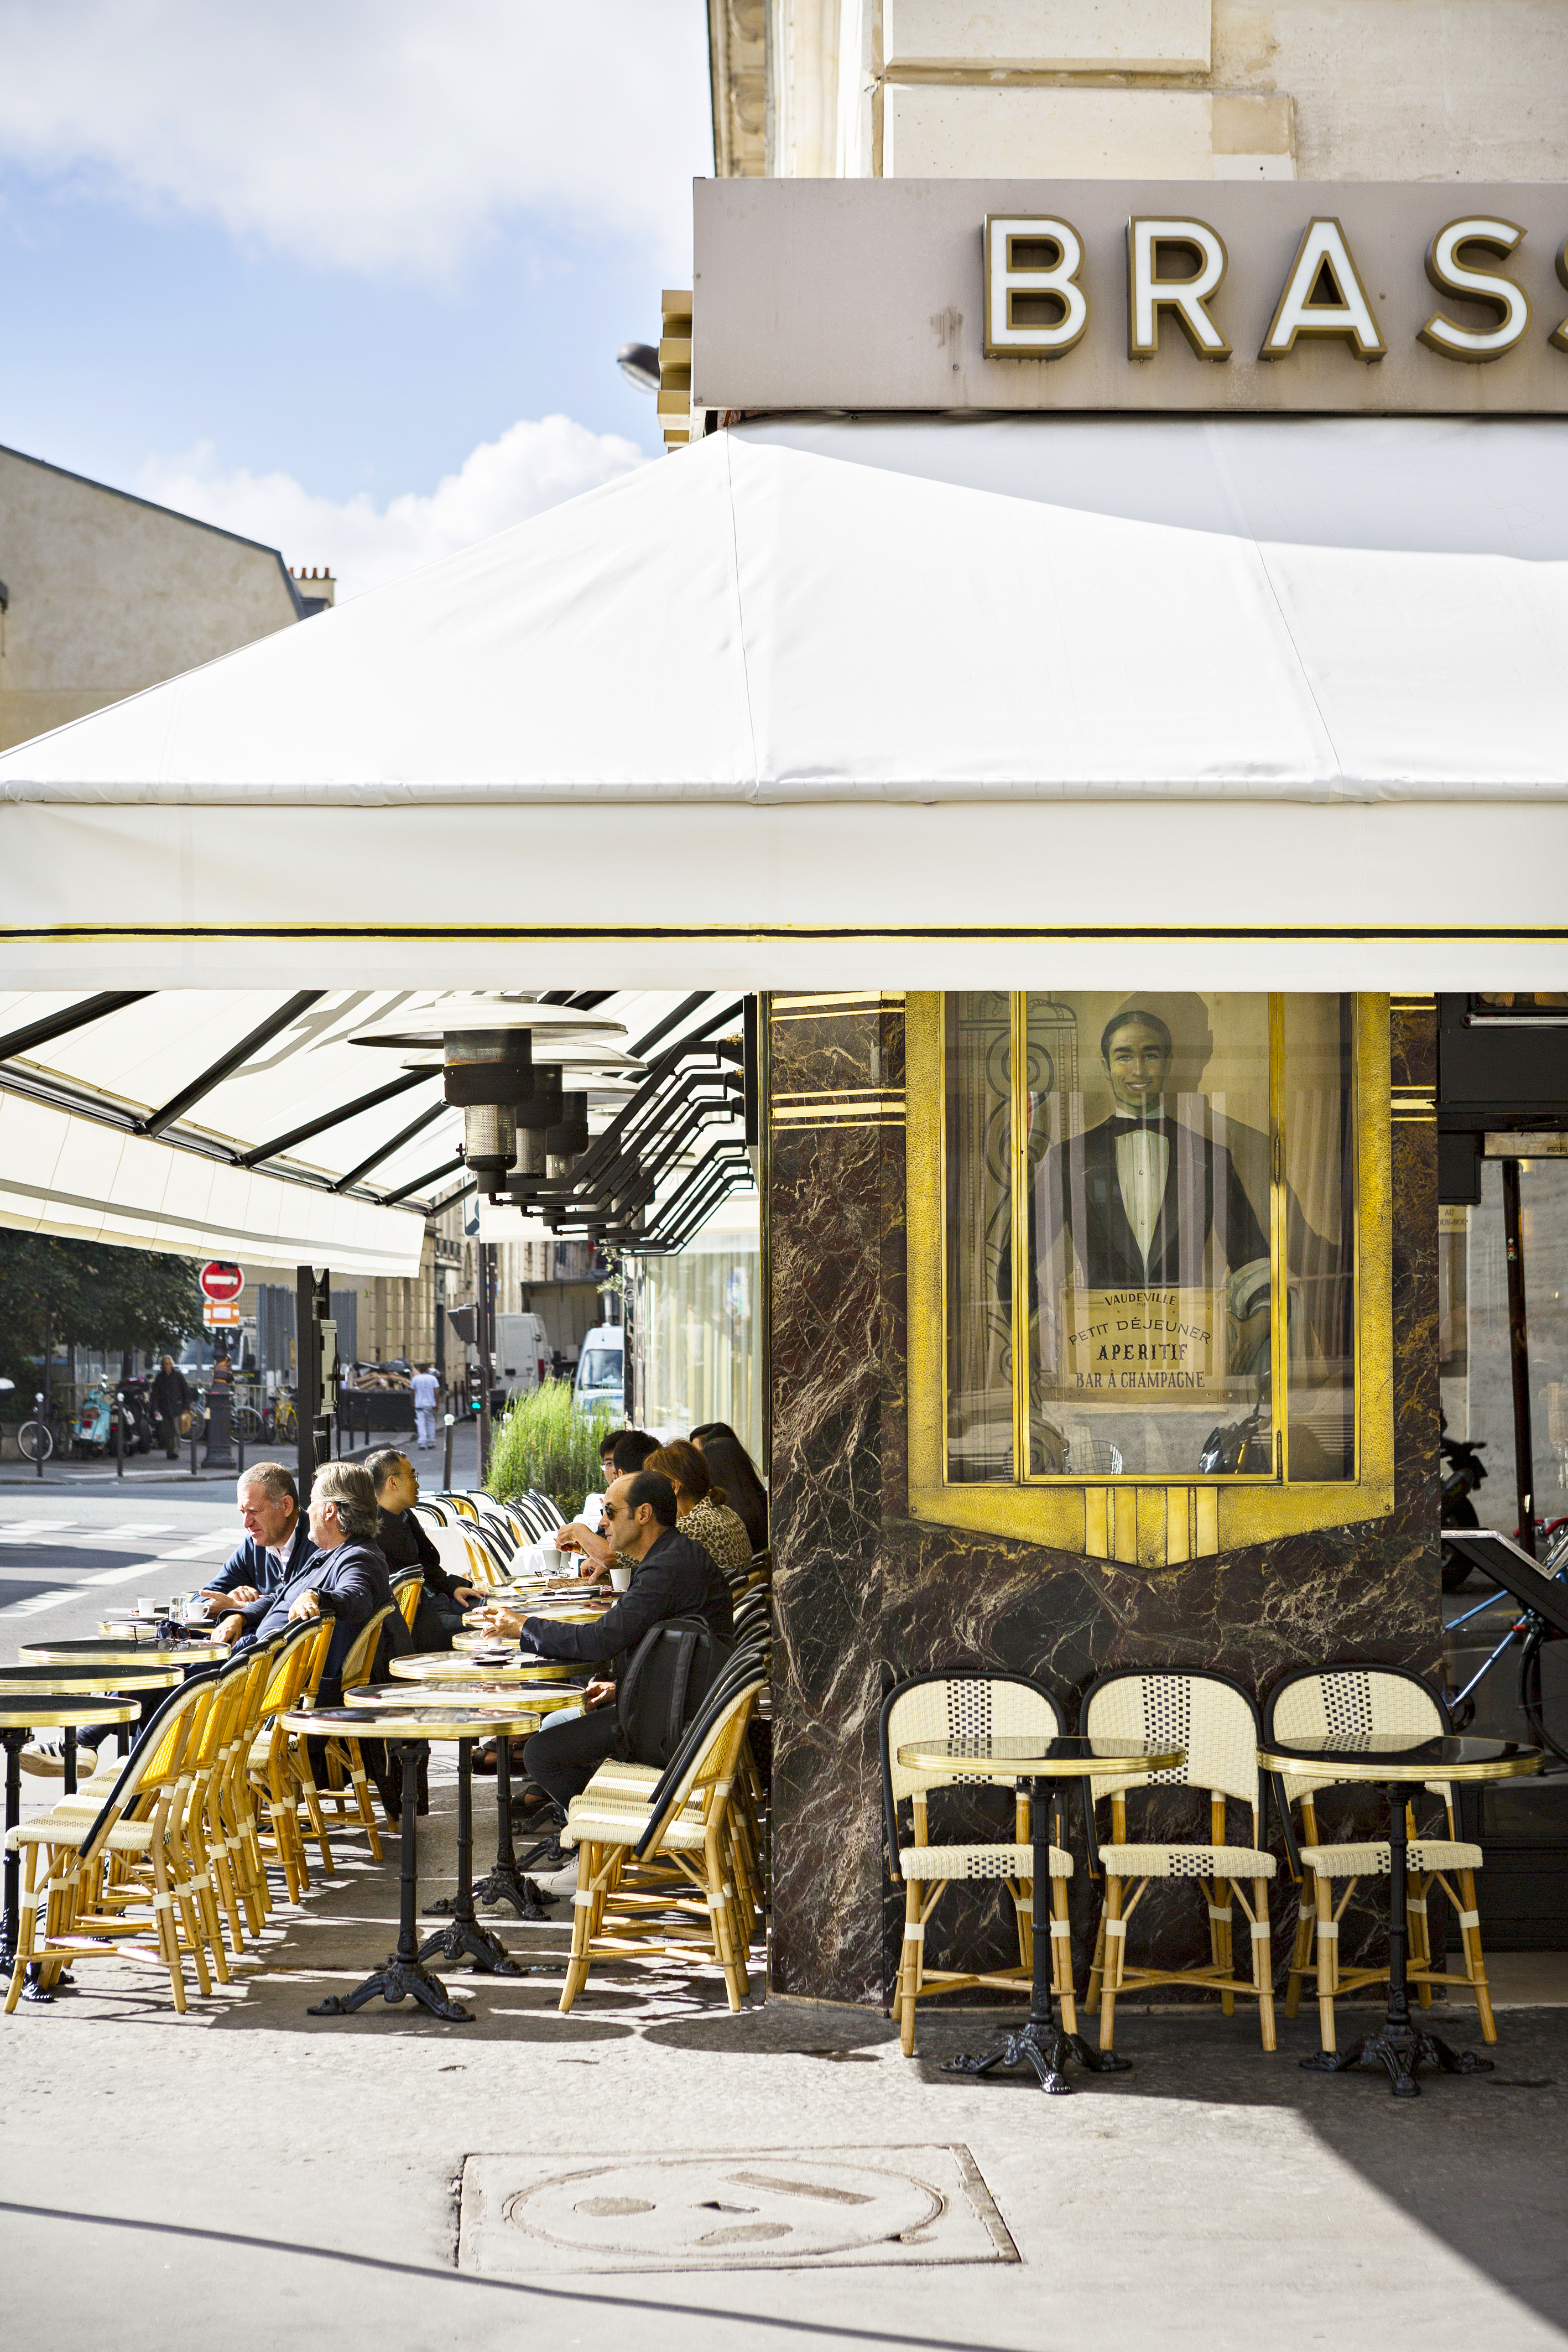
(1215,1721)
(704,1901)
(1352,1700)
(950,1707)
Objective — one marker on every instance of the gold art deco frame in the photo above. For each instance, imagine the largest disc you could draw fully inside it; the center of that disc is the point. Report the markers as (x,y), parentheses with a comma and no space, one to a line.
(1152,1522)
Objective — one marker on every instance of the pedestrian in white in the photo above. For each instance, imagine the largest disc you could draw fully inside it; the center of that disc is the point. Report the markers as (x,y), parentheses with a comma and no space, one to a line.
(425,1392)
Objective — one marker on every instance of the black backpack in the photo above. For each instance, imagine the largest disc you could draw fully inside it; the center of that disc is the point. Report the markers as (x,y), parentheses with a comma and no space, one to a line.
(673,1669)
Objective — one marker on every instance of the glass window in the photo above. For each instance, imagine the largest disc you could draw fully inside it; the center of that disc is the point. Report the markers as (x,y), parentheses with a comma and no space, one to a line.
(1183,1169)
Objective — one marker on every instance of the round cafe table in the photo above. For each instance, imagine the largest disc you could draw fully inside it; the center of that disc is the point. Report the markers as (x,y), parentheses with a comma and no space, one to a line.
(1044,1764)
(19,1717)
(117,1651)
(1393,1760)
(465,1679)
(404,1974)
(66,1682)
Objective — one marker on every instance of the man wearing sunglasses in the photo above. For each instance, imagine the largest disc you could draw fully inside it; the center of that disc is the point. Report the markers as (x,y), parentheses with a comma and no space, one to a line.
(670,1576)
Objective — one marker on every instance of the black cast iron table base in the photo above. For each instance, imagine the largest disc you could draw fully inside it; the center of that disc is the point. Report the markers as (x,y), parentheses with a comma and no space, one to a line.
(505,1883)
(398,1979)
(1041,2045)
(466,1939)
(1398,2051)
(1398,2047)
(402,1976)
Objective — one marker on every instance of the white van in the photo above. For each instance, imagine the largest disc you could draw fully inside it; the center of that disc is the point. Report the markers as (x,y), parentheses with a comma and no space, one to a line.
(602,1369)
(522,1358)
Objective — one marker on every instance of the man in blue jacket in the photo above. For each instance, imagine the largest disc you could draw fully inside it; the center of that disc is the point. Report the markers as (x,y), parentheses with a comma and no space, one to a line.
(344,1577)
(277,1541)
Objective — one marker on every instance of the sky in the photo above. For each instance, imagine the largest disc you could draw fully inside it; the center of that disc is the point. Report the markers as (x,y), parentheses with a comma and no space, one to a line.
(348,276)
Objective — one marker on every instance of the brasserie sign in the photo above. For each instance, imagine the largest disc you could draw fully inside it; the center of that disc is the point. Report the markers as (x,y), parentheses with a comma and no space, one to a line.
(1221,295)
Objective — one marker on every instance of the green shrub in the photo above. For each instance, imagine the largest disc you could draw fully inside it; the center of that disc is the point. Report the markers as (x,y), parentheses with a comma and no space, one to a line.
(544,1441)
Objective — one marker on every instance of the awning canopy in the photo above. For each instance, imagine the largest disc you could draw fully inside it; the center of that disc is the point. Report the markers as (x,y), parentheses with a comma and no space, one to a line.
(837,703)
(211,1122)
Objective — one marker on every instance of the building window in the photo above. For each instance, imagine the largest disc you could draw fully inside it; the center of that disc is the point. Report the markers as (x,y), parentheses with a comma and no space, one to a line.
(1155,1214)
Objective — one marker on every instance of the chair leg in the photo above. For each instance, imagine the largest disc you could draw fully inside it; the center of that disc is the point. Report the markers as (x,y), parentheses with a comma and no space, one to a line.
(1328,1960)
(1263,1963)
(1417,1942)
(27,1916)
(582,1904)
(1475,1963)
(1096,1965)
(1114,1931)
(1220,1915)
(1301,1952)
(903,1997)
(1061,1955)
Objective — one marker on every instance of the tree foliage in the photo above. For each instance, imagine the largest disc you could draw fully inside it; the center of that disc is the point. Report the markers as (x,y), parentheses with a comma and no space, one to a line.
(90,1295)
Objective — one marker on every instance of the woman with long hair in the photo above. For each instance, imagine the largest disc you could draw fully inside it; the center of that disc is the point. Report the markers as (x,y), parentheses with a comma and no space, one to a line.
(732,1467)
(702,1512)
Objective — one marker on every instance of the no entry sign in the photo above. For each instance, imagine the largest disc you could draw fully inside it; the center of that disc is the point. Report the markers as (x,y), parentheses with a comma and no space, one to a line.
(222,1282)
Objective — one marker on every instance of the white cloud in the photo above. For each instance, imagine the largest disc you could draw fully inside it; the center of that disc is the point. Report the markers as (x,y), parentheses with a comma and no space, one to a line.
(531,467)
(383,135)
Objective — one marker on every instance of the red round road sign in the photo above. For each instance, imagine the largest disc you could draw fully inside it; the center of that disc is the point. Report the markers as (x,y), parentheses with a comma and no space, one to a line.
(221,1282)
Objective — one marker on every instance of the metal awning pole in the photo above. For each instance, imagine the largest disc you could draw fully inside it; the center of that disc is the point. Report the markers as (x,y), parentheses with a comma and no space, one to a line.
(1519,1354)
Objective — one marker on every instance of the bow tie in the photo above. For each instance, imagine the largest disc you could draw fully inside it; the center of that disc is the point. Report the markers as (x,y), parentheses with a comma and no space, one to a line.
(1123,1124)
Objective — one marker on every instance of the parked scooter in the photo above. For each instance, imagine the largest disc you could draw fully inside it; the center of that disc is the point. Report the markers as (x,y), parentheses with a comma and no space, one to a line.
(92,1432)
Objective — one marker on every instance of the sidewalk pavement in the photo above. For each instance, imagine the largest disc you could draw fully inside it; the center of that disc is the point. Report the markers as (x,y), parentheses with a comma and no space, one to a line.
(250,2173)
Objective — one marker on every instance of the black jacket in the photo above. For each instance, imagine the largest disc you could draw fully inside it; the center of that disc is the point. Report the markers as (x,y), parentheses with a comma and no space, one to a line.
(405,1544)
(254,1564)
(170,1395)
(674,1578)
(353,1584)
(1079,1194)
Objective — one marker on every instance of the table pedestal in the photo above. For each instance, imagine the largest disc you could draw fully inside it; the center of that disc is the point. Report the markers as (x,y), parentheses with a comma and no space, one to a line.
(1040,2044)
(1400,2047)
(402,1976)
(466,1939)
(506,1883)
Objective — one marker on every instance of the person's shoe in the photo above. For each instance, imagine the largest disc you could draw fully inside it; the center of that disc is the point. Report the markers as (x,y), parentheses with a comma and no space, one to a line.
(47,1762)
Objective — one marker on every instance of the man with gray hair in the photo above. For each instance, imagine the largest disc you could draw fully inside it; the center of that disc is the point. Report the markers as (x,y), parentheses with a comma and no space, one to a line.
(277,1541)
(344,1578)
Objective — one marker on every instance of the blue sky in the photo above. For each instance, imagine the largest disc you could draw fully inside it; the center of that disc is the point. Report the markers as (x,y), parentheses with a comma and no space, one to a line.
(288,270)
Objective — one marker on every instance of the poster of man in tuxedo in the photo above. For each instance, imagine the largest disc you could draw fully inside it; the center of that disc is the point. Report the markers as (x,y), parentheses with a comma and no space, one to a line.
(1151,1277)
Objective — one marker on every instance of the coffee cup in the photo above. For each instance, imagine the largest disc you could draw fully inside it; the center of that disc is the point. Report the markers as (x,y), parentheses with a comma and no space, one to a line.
(620,1579)
(150,1608)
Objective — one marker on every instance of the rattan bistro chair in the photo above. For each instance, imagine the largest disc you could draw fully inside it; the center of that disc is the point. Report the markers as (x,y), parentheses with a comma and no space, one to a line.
(126,1869)
(1351,1699)
(944,1706)
(686,1833)
(1217,1723)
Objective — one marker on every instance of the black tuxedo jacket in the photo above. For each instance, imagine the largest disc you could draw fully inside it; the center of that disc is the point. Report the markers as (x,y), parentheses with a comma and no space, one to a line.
(1080,1199)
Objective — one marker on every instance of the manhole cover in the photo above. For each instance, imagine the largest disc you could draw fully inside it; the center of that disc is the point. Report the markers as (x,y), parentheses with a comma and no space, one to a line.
(777,2210)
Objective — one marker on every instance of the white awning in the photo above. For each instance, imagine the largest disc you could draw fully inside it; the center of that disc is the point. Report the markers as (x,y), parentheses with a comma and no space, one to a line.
(1026,701)
(352,1193)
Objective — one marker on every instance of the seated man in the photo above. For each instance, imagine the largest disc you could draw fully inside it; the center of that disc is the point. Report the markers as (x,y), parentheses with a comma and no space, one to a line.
(623,1454)
(277,1541)
(671,1578)
(404,1542)
(343,1577)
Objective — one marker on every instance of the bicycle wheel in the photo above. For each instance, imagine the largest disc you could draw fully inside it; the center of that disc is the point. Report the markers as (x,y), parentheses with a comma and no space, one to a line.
(35,1437)
(249,1424)
(285,1421)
